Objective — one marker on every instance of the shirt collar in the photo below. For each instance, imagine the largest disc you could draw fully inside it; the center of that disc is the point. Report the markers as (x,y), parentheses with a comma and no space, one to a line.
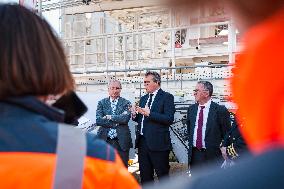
(113,100)
(155,92)
(207,104)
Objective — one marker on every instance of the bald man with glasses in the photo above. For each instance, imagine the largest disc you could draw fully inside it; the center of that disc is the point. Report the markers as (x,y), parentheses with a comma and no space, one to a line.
(113,115)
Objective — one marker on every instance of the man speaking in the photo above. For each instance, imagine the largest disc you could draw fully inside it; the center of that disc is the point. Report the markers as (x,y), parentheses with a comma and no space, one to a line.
(154,115)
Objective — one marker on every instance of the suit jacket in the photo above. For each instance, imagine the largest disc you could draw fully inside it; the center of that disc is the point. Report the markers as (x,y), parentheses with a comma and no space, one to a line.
(233,140)
(156,126)
(119,121)
(218,123)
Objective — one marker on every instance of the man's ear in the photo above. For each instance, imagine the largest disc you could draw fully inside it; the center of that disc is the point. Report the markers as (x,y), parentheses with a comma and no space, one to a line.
(207,94)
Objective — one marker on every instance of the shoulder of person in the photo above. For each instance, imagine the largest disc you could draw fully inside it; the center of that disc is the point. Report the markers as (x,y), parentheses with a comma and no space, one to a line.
(223,108)
(144,96)
(105,152)
(104,100)
(166,93)
(218,106)
(193,106)
(124,100)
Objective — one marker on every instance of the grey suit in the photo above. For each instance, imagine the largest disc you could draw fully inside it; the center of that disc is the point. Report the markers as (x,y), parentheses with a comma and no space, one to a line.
(119,121)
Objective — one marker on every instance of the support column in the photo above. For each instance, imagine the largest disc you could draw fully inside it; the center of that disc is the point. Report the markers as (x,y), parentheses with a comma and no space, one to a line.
(232,41)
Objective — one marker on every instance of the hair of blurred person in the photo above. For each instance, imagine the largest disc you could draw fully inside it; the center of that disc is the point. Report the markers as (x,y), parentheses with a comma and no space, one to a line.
(246,12)
(32,60)
(33,69)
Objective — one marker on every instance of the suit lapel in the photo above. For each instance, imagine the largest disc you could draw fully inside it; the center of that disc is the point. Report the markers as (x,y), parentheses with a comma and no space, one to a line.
(193,117)
(144,101)
(118,105)
(210,118)
(108,105)
(157,99)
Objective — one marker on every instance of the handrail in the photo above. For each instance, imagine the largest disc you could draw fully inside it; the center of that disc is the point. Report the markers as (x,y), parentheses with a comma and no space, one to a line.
(156,68)
(143,31)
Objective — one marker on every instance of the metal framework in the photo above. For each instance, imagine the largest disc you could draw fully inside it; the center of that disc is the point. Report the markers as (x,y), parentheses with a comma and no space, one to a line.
(146,48)
(48,5)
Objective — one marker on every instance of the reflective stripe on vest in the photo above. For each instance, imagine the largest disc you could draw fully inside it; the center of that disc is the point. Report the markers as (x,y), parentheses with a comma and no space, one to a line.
(71,151)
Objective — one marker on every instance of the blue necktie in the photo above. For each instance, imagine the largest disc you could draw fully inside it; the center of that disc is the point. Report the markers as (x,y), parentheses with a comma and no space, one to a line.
(112,132)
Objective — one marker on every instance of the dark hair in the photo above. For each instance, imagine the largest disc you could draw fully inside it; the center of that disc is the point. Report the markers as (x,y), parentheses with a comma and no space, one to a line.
(207,86)
(32,60)
(156,76)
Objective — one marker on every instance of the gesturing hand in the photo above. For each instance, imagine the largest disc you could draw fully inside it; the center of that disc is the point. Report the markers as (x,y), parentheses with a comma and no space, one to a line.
(224,152)
(144,111)
(133,111)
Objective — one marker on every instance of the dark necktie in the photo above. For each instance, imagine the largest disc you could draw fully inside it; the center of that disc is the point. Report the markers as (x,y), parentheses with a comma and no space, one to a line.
(150,100)
(199,128)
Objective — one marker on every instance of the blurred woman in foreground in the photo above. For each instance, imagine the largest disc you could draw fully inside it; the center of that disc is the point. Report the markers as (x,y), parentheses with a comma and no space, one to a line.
(36,150)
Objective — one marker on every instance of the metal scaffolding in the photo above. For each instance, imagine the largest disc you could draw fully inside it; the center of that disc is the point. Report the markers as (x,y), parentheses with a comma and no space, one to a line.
(48,5)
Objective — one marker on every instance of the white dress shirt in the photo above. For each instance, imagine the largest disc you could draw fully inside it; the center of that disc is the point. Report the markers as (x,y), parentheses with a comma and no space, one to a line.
(205,117)
(153,98)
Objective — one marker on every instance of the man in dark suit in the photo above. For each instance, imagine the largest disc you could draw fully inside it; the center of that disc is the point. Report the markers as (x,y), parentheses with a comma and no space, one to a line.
(112,115)
(233,145)
(207,124)
(154,116)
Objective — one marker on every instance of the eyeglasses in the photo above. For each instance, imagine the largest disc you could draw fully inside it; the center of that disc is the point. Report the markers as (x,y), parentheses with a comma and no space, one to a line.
(197,90)
(114,88)
(147,82)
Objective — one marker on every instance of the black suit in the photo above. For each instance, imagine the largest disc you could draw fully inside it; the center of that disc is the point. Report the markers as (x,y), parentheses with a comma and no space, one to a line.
(218,123)
(155,144)
(233,141)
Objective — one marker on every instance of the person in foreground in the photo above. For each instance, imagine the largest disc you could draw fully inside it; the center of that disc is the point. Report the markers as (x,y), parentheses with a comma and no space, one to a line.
(37,150)
(258,90)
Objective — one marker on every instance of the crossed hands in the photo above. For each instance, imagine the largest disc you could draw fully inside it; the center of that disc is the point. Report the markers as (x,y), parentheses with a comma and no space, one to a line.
(108,117)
